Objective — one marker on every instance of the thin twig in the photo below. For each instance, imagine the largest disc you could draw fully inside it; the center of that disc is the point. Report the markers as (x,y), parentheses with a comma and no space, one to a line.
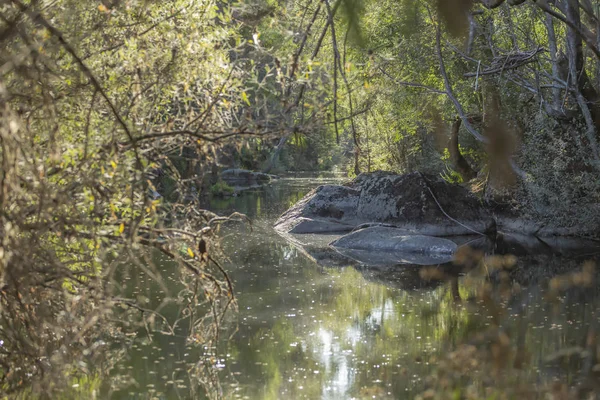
(38,18)
(442,209)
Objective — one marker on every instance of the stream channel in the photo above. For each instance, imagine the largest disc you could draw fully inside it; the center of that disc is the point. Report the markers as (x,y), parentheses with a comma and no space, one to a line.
(305,330)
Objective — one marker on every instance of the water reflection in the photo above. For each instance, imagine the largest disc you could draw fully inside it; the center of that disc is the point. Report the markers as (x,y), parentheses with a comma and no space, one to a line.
(341,329)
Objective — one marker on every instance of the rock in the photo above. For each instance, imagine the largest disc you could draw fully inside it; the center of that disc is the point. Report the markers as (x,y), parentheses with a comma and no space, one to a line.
(582,220)
(413,202)
(317,247)
(415,249)
(523,245)
(307,225)
(526,226)
(328,208)
(389,258)
(243,177)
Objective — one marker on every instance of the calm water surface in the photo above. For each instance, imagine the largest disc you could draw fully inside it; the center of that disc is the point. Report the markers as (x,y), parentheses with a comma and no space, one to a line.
(304,330)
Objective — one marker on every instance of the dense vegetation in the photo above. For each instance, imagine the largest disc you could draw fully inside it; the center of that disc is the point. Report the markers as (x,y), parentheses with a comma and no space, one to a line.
(115,116)
(502,91)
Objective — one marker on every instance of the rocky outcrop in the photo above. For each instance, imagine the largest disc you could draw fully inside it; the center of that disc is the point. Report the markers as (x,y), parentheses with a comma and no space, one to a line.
(417,203)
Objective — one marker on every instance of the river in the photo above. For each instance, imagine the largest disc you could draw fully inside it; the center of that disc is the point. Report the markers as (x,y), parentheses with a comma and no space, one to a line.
(307,331)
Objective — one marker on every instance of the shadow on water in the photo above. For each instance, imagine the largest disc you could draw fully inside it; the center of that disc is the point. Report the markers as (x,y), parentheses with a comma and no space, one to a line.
(317,324)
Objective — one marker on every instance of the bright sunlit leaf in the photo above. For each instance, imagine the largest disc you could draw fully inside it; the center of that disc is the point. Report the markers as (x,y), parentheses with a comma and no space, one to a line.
(245,98)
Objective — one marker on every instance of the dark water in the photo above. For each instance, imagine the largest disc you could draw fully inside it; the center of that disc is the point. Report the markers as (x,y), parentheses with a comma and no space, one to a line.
(304,330)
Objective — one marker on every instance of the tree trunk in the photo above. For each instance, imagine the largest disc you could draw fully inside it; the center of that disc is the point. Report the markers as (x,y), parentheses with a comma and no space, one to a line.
(275,155)
(356,161)
(586,95)
(579,76)
(459,163)
(556,92)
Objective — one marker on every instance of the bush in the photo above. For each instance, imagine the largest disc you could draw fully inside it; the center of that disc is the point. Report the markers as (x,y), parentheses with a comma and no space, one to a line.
(221,189)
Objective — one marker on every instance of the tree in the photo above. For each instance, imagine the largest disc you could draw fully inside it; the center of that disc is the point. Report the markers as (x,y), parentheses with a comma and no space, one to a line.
(516,73)
(98,102)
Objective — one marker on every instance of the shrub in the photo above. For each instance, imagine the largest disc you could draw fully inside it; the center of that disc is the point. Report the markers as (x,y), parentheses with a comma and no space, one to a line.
(221,189)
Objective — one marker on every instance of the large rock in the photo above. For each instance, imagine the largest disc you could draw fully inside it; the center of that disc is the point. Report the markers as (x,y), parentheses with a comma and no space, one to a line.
(328,208)
(378,258)
(417,203)
(416,249)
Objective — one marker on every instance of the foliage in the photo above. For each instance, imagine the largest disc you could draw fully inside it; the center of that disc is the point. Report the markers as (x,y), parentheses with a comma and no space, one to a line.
(505,69)
(496,362)
(98,102)
(112,115)
(221,189)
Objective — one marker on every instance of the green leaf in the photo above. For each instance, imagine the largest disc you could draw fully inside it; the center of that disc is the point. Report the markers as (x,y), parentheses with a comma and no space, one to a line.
(245,98)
